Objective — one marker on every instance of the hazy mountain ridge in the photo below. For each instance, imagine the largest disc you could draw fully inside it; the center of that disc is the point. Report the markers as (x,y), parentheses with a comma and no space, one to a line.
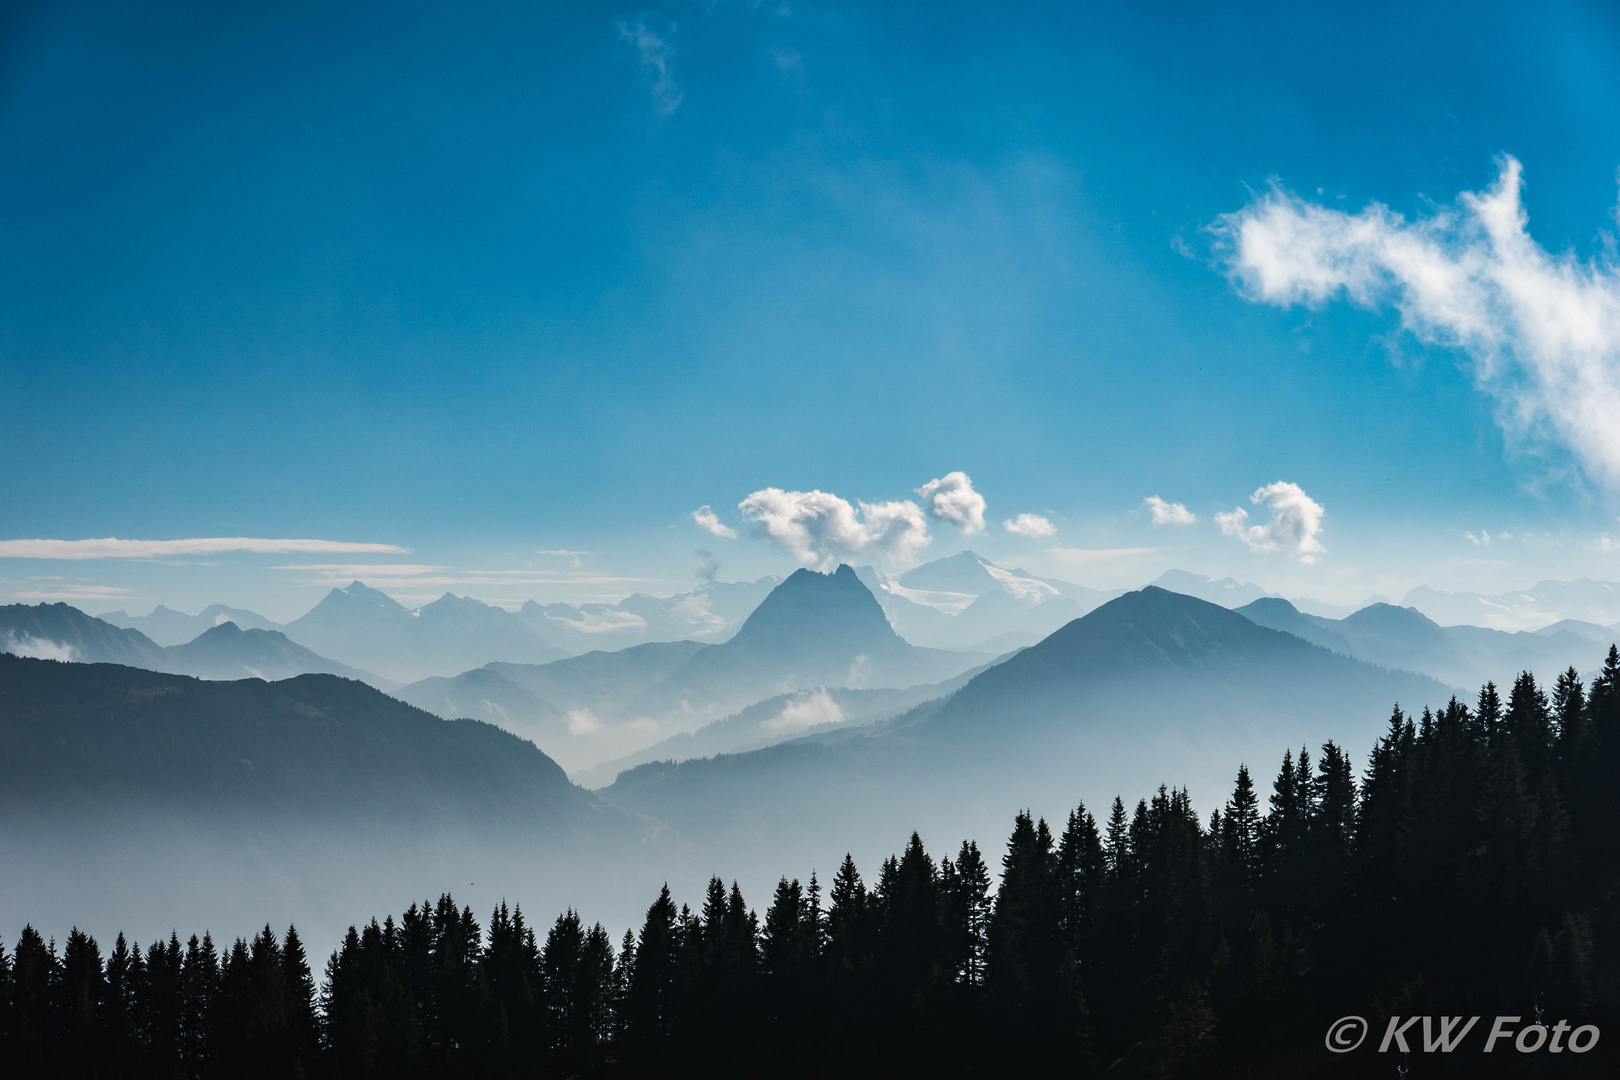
(371,630)
(1534,608)
(224,651)
(1463,656)
(710,613)
(784,718)
(169,627)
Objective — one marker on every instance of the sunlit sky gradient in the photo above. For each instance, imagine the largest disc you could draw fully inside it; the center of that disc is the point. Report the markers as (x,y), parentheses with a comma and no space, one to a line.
(481,282)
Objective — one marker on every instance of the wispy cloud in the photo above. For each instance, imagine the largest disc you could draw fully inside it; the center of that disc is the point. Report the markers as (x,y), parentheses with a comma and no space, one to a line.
(1168,513)
(1542,330)
(76,592)
(821,530)
(655,53)
(707,519)
(1032,525)
(38,648)
(153,549)
(1296,518)
(952,499)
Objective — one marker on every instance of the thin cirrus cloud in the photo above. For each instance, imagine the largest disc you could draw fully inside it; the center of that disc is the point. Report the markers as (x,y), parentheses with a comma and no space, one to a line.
(1168,513)
(821,530)
(654,52)
(1296,519)
(708,520)
(1541,331)
(1032,525)
(952,499)
(111,548)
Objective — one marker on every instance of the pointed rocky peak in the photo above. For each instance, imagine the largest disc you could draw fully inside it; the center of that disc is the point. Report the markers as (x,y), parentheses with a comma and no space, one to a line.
(826,608)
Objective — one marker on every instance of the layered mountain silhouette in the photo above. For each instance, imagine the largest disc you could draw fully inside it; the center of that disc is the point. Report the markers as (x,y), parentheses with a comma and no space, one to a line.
(169,627)
(784,717)
(1463,656)
(371,630)
(1153,684)
(225,651)
(814,630)
(87,737)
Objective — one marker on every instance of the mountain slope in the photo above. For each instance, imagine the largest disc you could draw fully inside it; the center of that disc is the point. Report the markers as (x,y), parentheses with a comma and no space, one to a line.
(85,736)
(370,630)
(61,632)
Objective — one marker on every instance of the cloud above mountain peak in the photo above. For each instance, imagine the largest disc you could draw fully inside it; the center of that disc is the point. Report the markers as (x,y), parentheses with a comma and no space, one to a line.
(951,498)
(821,530)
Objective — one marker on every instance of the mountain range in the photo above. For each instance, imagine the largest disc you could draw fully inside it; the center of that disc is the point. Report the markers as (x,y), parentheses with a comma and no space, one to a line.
(371,630)
(223,651)
(1534,608)
(812,631)
(1150,685)
(169,627)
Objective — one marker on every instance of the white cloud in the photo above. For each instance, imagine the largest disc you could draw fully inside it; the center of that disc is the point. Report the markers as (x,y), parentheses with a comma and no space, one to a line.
(1029,525)
(1542,330)
(153,549)
(821,530)
(805,711)
(1483,539)
(952,498)
(38,648)
(655,53)
(1296,518)
(76,592)
(707,518)
(1168,513)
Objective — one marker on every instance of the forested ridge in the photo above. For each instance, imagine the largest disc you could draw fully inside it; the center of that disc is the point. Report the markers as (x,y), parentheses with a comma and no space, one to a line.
(1470,868)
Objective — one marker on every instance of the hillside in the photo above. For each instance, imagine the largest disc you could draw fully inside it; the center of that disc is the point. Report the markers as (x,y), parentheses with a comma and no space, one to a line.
(87,737)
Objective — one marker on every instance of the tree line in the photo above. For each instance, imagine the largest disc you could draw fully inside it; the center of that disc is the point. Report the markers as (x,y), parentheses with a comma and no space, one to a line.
(1470,869)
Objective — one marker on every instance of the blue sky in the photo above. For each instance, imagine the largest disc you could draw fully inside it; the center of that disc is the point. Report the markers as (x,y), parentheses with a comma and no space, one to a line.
(487,281)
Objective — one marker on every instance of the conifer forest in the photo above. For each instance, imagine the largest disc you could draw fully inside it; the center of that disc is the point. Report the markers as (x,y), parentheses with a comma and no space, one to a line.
(1468,867)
